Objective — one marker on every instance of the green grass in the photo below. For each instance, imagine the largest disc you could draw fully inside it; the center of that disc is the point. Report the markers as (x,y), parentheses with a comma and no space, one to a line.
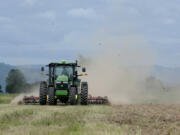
(89,120)
(59,120)
(7,98)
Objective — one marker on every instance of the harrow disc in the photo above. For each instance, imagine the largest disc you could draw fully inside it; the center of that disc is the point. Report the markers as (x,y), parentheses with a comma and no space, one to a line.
(91,100)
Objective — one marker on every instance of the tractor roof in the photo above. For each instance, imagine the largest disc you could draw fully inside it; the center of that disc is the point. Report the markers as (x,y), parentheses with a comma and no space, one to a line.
(63,63)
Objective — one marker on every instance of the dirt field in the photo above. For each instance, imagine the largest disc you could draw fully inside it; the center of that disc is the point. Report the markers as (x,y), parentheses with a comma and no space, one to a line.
(145,119)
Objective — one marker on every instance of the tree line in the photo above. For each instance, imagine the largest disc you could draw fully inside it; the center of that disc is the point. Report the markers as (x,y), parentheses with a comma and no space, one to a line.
(16,82)
(1,89)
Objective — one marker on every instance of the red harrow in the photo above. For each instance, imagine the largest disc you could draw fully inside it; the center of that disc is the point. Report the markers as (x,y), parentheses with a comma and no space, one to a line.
(91,100)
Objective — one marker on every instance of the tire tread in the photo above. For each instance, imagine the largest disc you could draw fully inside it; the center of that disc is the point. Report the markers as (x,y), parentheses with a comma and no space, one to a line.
(43,93)
(84,93)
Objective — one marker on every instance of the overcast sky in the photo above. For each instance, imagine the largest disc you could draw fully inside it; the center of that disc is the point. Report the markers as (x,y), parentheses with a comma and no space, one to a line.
(40,31)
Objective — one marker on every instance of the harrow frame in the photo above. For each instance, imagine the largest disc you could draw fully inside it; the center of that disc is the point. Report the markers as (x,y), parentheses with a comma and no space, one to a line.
(91,100)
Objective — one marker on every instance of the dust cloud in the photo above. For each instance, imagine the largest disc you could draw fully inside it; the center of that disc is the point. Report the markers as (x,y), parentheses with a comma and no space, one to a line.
(118,68)
(33,91)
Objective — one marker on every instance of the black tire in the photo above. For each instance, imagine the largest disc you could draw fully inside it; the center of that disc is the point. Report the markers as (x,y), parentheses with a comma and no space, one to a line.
(43,93)
(84,93)
(72,96)
(51,96)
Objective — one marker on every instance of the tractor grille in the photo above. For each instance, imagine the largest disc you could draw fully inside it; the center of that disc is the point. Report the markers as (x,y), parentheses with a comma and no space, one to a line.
(61,86)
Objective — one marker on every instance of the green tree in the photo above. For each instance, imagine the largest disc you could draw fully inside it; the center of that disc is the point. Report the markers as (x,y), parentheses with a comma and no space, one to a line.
(15,81)
(1,89)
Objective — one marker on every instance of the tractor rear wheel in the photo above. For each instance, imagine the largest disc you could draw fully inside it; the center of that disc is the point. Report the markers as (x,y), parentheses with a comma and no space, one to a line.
(43,93)
(84,93)
(72,96)
(51,96)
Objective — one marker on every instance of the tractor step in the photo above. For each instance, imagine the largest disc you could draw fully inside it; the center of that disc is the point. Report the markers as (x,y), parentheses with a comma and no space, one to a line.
(91,100)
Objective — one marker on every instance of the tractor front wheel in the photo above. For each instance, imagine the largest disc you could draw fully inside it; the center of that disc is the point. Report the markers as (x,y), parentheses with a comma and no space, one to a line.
(84,93)
(72,96)
(51,96)
(43,93)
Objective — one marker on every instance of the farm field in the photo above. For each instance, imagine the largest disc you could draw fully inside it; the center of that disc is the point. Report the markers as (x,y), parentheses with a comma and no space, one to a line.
(140,119)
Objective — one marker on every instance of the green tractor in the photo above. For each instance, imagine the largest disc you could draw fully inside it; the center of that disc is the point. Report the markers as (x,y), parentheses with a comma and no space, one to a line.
(63,84)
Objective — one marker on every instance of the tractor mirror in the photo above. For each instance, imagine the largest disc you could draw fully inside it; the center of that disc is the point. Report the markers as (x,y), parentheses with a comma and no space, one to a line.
(42,69)
(83,69)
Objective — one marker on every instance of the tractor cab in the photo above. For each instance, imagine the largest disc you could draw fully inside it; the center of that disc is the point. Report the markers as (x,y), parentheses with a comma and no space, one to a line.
(62,72)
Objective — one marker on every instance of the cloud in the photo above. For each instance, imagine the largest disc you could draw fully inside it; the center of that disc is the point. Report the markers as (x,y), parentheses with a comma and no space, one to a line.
(4,19)
(72,26)
(30,2)
(82,13)
(169,21)
(51,15)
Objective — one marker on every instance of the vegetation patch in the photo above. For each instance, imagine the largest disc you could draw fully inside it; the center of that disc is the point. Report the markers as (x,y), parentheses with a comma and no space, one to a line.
(15,118)
(142,119)
(7,98)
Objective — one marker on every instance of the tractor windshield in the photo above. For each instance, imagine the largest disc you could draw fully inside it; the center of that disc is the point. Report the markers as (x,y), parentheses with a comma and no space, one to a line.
(64,70)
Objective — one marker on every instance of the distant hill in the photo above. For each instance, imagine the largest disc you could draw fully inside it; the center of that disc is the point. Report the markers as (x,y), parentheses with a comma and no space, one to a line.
(168,76)
(31,73)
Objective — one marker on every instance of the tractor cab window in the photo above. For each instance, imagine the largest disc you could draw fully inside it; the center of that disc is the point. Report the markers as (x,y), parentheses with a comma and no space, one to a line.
(64,70)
